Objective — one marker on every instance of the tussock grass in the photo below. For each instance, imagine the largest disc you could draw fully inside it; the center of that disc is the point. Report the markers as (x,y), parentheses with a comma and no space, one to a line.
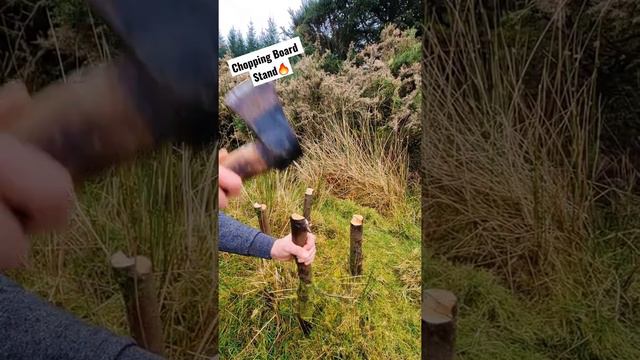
(509,170)
(369,168)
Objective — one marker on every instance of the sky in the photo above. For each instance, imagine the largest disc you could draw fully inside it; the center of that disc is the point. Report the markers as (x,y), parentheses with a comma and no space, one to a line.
(238,13)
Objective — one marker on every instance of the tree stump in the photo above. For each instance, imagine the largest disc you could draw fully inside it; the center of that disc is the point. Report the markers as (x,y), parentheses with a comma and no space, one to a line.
(356,256)
(261,212)
(299,229)
(135,277)
(308,201)
(439,312)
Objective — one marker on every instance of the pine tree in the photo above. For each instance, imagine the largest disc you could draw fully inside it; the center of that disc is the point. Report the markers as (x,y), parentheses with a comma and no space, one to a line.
(236,42)
(222,46)
(252,39)
(270,35)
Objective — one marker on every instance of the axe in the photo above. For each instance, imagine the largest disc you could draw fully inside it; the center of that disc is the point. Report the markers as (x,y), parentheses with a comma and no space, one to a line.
(277,145)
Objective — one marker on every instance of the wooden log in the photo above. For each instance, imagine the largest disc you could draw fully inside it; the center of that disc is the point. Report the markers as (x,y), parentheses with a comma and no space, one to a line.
(308,201)
(299,229)
(356,256)
(439,312)
(135,277)
(261,212)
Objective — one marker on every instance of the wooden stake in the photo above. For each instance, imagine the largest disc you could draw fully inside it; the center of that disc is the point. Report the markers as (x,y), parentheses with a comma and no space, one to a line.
(355,260)
(261,212)
(308,200)
(135,277)
(299,228)
(439,312)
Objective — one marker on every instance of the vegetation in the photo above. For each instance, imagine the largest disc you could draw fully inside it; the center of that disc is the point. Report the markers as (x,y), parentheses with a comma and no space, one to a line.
(336,25)
(530,217)
(357,159)
(236,45)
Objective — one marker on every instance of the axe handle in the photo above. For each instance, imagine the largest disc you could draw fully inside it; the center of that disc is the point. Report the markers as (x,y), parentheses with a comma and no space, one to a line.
(247,161)
(87,124)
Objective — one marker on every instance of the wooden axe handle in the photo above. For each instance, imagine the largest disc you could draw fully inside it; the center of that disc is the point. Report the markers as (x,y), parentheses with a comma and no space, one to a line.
(246,161)
(87,124)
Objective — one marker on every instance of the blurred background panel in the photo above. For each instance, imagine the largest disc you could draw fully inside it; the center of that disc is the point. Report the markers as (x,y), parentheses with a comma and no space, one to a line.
(163,206)
(530,192)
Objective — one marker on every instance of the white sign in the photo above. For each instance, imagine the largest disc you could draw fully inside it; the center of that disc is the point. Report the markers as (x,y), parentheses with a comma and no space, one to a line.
(278,70)
(267,64)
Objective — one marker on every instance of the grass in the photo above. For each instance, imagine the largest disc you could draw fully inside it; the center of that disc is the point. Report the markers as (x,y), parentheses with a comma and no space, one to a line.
(374,316)
(522,223)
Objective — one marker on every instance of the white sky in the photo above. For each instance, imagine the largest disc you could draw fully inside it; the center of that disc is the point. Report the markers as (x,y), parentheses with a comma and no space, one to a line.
(238,13)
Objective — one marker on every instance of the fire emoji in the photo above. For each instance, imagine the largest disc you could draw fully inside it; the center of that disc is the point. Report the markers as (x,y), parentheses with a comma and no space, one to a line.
(283,69)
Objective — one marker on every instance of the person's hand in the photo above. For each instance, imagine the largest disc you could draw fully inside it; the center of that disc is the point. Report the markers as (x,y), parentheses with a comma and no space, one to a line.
(36,195)
(36,192)
(284,249)
(229,183)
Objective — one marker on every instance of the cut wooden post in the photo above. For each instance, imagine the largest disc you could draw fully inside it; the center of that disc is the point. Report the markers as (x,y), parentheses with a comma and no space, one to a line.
(261,212)
(439,312)
(299,228)
(135,277)
(308,201)
(355,258)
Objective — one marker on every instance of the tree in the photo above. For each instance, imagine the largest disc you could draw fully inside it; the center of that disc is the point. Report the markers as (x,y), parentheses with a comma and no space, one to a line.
(252,38)
(236,43)
(222,46)
(270,35)
(335,24)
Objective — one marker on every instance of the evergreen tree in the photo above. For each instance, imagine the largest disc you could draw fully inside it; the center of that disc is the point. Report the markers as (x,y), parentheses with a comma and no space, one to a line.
(338,23)
(252,39)
(222,46)
(270,35)
(236,42)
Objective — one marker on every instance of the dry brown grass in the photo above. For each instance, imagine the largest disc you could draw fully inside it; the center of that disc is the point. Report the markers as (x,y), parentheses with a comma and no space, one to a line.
(509,171)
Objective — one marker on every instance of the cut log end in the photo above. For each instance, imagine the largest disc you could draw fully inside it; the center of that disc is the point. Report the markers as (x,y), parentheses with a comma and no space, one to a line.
(438,306)
(357,220)
(120,261)
(297,217)
(309,191)
(439,312)
(143,265)
(257,206)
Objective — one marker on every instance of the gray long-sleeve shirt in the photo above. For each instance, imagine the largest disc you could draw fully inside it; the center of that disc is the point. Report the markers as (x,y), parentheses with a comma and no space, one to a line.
(238,238)
(32,329)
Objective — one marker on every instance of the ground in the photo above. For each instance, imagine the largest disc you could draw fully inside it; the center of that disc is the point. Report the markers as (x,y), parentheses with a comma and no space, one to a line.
(375,316)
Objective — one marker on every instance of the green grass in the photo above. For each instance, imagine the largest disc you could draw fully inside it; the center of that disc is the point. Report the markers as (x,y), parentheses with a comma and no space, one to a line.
(590,317)
(375,316)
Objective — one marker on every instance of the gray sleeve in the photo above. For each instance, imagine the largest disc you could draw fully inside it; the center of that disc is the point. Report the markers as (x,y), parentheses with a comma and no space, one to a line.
(238,238)
(32,329)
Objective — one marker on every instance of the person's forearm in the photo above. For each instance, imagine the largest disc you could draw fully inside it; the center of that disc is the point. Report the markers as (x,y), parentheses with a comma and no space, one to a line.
(31,328)
(241,239)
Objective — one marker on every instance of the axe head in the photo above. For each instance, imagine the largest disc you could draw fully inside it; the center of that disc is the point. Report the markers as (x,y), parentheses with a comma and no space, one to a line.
(261,109)
(173,47)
